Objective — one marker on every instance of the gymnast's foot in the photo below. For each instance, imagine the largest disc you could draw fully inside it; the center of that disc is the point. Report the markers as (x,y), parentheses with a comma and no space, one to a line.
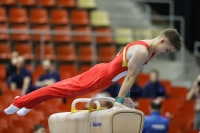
(12,108)
(23,111)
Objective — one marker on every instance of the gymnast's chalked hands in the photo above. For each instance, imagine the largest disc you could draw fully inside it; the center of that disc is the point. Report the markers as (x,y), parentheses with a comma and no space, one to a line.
(129,103)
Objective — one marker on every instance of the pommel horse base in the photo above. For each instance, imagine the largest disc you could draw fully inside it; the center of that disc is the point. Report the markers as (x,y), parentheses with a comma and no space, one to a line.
(124,120)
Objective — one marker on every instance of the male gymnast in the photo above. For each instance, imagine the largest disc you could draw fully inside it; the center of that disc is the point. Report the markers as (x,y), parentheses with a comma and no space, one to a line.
(128,62)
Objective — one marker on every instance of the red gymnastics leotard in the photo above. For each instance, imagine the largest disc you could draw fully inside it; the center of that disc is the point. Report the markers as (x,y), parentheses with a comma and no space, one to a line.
(100,76)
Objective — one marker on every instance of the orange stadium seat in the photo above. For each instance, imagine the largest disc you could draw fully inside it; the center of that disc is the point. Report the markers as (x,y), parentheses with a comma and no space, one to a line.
(142,79)
(167,85)
(170,107)
(7,2)
(27,2)
(85,53)
(49,52)
(35,116)
(25,50)
(59,17)
(3,72)
(178,92)
(67,71)
(187,108)
(104,39)
(9,118)
(18,15)
(5,100)
(4,36)
(21,36)
(3,16)
(3,86)
(5,52)
(39,16)
(107,53)
(3,124)
(65,108)
(47,3)
(84,68)
(56,102)
(14,130)
(26,124)
(47,109)
(12,93)
(66,53)
(83,38)
(67,3)
(37,37)
(144,104)
(62,38)
(79,17)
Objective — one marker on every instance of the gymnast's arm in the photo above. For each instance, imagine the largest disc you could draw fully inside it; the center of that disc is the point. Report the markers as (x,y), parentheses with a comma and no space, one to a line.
(138,56)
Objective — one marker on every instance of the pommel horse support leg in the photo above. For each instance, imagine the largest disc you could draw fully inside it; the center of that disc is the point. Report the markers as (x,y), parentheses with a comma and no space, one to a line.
(121,120)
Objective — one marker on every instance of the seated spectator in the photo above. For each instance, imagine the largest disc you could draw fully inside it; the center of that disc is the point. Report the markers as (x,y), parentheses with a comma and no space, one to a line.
(39,129)
(155,123)
(113,90)
(194,94)
(11,66)
(136,91)
(21,77)
(49,77)
(154,89)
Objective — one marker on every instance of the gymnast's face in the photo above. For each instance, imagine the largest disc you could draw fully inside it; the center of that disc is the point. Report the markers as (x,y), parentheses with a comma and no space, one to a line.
(164,47)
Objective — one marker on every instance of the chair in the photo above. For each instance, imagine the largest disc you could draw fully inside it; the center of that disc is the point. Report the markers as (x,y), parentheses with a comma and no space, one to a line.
(27,2)
(178,92)
(65,108)
(5,52)
(47,109)
(62,38)
(38,16)
(3,86)
(123,36)
(9,118)
(56,102)
(3,72)
(84,68)
(67,3)
(167,85)
(25,124)
(85,53)
(3,124)
(144,104)
(67,71)
(14,130)
(142,79)
(79,17)
(35,116)
(20,36)
(107,53)
(187,108)
(5,100)
(49,52)
(46,37)
(104,39)
(66,53)
(86,4)
(59,17)
(18,15)
(170,107)
(99,18)
(85,38)
(142,34)
(25,50)
(12,93)
(4,36)
(3,16)
(47,3)
(7,2)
